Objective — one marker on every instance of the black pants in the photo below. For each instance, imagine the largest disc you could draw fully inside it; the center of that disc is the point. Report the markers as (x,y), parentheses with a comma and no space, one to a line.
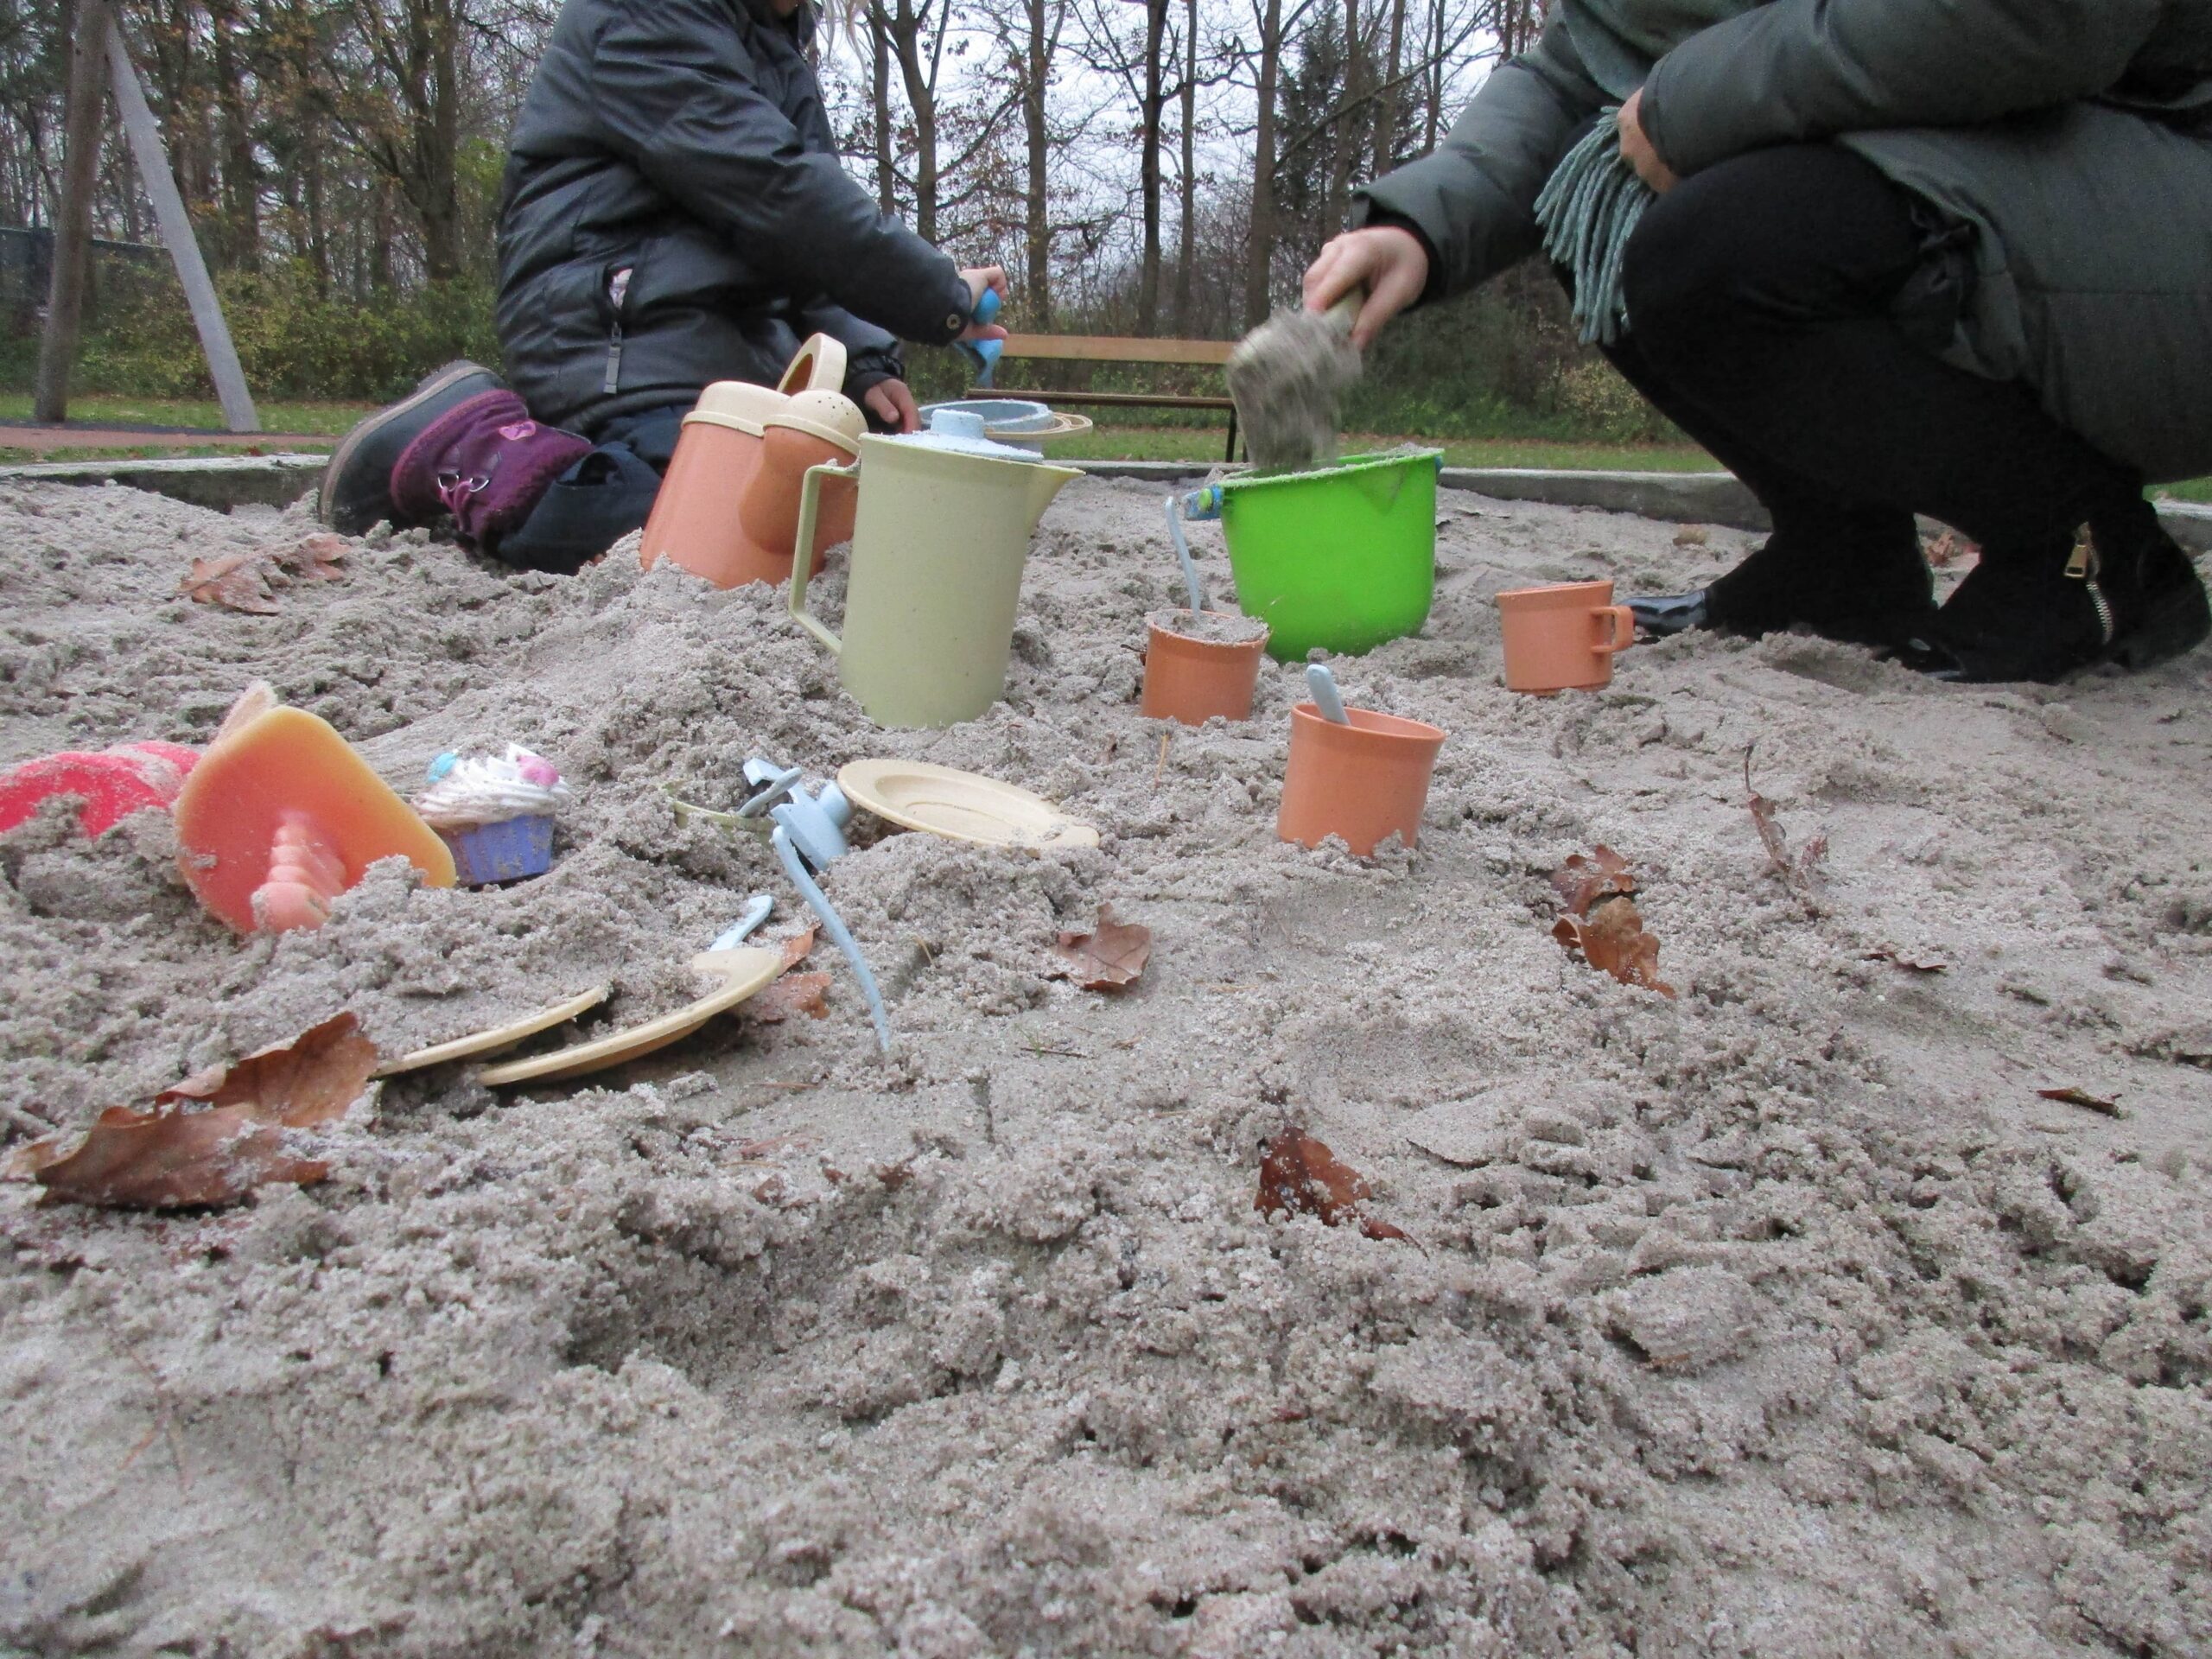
(1784,307)
(601,498)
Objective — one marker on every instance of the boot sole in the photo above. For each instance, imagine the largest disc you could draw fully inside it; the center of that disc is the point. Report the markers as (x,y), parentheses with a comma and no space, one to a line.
(436,386)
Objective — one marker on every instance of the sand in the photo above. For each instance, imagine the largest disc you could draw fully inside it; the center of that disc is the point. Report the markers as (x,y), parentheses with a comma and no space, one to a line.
(1781,1317)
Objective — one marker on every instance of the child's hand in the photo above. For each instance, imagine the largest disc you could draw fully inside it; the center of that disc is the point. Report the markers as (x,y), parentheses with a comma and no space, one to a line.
(891,403)
(1389,262)
(982,279)
(1637,148)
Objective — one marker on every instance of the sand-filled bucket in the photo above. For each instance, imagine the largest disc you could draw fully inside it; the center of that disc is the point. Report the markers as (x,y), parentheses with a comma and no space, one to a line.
(1200,663)
(1340,559)
(1365,781)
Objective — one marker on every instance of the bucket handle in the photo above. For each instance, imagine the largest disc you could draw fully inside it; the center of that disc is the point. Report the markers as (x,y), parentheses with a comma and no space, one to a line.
(810,508)
(819,366)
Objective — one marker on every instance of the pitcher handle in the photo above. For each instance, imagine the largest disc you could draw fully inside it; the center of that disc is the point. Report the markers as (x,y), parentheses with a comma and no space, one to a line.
(810,508)
(820,366)
(1617,623)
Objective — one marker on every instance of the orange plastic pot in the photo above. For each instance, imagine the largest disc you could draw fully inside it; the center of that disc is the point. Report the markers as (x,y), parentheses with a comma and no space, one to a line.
(1364,782)
(729,508)
(1562,637)
(1192,680)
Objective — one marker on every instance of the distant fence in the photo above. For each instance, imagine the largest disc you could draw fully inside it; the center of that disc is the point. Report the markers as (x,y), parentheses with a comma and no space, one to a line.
(27,271)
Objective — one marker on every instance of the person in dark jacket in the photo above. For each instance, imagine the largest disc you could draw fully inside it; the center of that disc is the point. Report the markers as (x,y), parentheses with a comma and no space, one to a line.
(1940,257)
(674,212)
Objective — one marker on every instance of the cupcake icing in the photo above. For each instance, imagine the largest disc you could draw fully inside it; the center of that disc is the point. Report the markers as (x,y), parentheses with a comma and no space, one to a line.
(464,794)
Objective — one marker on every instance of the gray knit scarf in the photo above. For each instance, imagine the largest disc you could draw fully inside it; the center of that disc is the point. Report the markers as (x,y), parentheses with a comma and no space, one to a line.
(1591,206)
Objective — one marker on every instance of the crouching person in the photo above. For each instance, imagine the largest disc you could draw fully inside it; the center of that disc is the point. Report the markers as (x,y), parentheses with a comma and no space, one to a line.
(673,213)
(1940,257)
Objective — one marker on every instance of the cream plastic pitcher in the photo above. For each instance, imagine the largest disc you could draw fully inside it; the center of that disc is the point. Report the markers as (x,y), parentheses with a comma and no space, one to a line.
(939,544)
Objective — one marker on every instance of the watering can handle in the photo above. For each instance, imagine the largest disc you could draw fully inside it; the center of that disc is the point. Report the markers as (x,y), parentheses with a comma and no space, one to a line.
(810,508)
(819,366)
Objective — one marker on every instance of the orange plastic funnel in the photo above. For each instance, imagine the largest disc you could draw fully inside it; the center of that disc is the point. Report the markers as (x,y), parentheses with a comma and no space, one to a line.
(281,815)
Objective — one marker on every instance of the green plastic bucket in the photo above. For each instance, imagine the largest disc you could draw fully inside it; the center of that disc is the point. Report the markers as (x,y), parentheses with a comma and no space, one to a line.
(1342,558)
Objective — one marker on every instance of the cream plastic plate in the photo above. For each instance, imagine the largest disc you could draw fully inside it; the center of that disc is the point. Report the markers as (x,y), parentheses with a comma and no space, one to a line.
(960,805)
(742,972)
(499,1037)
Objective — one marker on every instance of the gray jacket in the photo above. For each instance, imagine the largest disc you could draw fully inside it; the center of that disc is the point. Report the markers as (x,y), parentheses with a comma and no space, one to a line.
(2071,138)
(684,141)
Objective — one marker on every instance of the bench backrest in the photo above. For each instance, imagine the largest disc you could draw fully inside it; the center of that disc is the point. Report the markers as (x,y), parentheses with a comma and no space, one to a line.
(1117,348)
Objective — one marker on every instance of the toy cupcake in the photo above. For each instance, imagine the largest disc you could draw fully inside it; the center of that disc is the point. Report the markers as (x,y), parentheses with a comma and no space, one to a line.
(497,815)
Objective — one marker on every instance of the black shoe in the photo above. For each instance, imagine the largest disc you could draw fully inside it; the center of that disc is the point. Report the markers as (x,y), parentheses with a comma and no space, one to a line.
(2125,594)
(1870,588)
(357,484)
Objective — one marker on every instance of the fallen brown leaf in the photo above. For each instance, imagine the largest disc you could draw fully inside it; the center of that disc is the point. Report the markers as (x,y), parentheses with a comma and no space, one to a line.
(1798,873)
(179,1153)
(244,582)
(1692,536)
(2083,1099)
(1299,1176)
(1949,548)
(236,582)
(797,948)
(1909,963)
(792,993)
(1581,882)
(309,1080)
(1611,940)
(1106,959)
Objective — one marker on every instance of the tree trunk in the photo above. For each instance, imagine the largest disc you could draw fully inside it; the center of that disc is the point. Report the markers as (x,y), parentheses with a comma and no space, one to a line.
(1346,146)
(1433,123)
(1155,101)
(1386,105)
(1187,256)
(907,41)
(1036,83)
(73,227)
(887,136)
(1260,249)
(241,241)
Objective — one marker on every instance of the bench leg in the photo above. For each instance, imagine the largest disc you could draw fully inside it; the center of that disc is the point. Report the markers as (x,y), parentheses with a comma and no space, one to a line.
(1231,452)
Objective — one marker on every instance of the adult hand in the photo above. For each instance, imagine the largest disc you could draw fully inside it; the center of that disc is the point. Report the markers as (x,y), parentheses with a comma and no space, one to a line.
(981,279)
(1387,260)
(894,404)
(1637,150)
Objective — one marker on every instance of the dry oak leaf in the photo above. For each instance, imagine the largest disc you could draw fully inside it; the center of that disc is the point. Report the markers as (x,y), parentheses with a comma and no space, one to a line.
(1107,958)
(792,993)
(1299,1176)
(1581,882)
(236,582)
(1797,873)
(1611,940)
(243,582)
(2082,1098)
(181,1155)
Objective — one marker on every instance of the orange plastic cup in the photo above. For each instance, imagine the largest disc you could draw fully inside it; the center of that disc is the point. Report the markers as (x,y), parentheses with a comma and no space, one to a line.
(1562,637)
(1192,680)
(1364,782)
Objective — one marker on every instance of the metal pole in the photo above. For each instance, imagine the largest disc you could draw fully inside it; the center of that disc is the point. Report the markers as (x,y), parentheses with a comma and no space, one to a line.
(73,227)
(153,173)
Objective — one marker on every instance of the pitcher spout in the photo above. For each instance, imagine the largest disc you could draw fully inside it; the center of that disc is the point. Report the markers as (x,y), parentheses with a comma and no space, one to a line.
(1044,483)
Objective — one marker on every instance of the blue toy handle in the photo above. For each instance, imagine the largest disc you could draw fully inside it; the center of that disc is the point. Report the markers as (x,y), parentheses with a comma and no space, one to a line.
(987,308)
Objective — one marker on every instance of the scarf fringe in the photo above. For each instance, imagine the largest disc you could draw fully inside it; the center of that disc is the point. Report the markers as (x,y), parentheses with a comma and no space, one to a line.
(1587,210)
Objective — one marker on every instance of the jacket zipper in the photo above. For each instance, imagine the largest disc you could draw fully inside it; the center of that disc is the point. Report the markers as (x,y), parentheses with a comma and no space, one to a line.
(2085,566)
(618,293)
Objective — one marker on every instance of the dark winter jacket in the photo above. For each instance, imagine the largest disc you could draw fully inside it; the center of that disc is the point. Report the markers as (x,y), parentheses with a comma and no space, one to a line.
(2063,147)
(684,140)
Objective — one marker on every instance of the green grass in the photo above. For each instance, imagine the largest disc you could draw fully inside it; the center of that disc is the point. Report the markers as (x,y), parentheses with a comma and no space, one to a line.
(329,419)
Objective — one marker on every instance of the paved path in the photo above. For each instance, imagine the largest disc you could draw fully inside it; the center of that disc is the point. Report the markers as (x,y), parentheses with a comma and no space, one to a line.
(46,440)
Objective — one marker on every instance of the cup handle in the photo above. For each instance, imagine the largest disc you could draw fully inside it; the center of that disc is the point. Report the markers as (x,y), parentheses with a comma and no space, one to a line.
(810,508)
(820,366)
(1619,622)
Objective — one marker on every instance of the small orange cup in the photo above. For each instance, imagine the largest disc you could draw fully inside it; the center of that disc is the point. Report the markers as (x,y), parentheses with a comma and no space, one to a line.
(1364,782)
(1192,680)
(1562,637)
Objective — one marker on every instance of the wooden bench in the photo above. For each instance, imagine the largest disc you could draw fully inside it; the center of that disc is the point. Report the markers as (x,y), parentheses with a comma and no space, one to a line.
(1110,348)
